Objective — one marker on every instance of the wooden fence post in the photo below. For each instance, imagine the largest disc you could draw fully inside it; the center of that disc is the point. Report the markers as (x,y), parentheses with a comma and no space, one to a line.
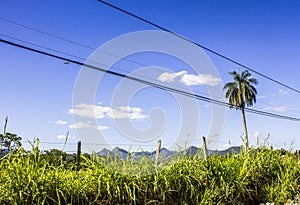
(157,151)
(204,147)
(78,154)
(298,153)
(5,124)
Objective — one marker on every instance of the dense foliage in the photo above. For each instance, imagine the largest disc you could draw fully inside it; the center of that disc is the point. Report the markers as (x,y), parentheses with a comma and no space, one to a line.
(260,175)
(9,140)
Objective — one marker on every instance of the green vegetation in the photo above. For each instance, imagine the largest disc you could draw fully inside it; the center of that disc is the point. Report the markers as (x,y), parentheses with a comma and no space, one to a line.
(261,175)
(9,140)
(241,93)
(53,177)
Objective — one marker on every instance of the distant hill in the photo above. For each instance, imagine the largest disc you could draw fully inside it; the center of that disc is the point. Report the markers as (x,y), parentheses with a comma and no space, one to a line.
(164,152)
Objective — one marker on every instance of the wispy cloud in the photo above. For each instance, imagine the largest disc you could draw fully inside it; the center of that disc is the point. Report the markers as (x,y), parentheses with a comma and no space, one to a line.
(89,111)
(122,112)
(101,127)
(170,77)
(80,125)
(190,79)
(60,137)
(283,92)
(99,112)
(201,79)
(60,122)
(276,108)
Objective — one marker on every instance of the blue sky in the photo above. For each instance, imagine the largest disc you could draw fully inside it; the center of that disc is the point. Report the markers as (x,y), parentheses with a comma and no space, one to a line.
(38,91)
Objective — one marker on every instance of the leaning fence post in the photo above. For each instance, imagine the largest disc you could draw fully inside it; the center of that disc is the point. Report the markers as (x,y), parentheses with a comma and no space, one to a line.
(157,151)
(204,147)
(4,131)
(78,154)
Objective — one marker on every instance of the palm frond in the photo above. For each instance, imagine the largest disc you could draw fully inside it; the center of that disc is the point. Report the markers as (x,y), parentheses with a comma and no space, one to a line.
(241,91)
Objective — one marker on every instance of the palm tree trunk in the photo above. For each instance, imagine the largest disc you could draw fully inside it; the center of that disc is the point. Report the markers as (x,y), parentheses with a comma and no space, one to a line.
(246,142)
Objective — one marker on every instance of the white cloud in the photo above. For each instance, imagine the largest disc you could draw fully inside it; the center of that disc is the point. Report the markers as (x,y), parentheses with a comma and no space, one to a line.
(101,127)
(60,137)
(283,92)
(80,125)
(60,122)
(126,112)
(190,79)
(170,77)
(276,108)
(201,79)
(89,111)
(130,109)
(99,112)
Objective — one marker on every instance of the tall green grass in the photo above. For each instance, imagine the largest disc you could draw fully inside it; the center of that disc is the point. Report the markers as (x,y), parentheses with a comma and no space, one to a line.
(258,176)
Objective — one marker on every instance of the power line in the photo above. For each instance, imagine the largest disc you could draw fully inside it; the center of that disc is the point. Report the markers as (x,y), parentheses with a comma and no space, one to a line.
(270,106)
(201,46)
(54,143)
(94,144)
(46,33)
(91,48)
(85,46)
(70,41)
(40,46)
(82,45)
(198,97)
(117,144)
(81,58)
(137,63)
(101,64)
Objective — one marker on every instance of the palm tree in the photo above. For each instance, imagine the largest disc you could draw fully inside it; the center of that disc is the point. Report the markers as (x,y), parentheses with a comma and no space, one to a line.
(241,93)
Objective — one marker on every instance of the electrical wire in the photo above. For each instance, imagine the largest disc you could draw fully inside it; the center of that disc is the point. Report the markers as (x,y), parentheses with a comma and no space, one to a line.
(101,64)
(95,144)
(201,46)
(114,144)
(198,97)
(72,42)
(81,58)
(137,63)
(88,47)
(91,48)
